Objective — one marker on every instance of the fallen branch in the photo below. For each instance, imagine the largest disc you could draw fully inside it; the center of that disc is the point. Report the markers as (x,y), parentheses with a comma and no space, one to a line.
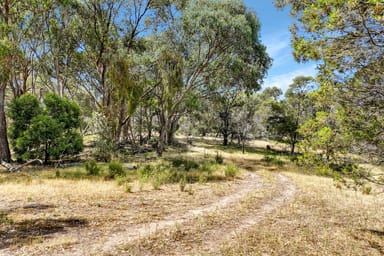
(16,168)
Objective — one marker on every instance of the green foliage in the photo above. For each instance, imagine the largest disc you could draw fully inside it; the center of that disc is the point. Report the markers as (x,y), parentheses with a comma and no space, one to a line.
(182,184)
(105,146)
(22,110)
(116,169)
(177,170)
(350,70)
(91,167)
(273,160)
(231,171)
(49,132)
(219,158)
(4,219)
(186,164)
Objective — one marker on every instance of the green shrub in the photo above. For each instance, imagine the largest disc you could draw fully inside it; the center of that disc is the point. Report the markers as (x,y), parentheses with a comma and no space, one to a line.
(157,181)
(4,219)
(73,174)
(203,178)
(231,170)
(185,163)
(182,184)
(207,167)
(324,170)
(121,180)
(145,172)
(49,131)
(219,158)
(273,160)
(91,167)
(115,169)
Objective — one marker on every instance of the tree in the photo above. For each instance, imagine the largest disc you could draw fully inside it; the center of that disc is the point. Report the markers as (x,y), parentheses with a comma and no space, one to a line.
(5,154)
(347,37)
(289,114)
(49,132)
(219,40)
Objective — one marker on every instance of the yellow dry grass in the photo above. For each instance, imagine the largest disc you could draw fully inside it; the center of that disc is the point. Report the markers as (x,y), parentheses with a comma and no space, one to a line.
(46,215)
(322,220)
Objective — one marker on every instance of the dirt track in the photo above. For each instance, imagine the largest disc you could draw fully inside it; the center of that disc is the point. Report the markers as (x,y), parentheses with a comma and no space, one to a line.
(210,239)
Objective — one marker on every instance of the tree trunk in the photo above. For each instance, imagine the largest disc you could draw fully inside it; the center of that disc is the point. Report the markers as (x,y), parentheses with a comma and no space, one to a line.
(121,123)
(225,128)
(173,127)
(292,148)
(163,121)
(293,143)
(225,139)
(5,153)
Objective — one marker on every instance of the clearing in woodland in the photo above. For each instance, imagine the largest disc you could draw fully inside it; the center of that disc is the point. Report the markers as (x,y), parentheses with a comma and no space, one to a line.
(255,203)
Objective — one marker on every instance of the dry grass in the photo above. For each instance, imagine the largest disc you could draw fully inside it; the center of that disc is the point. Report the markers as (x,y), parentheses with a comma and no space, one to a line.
(38,213)
(322,220)
(41,214)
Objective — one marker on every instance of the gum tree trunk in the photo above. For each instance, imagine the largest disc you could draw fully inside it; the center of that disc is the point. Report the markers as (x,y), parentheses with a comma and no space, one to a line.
(5,153)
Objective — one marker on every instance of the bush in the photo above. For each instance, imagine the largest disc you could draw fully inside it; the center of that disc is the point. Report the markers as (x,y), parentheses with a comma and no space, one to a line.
(231,170)
(182,183)
(45,132)
(186,163)
(219,158)
(145,172)
(91,167)
(324,170)
(115,169)
(207,167)
(273,160)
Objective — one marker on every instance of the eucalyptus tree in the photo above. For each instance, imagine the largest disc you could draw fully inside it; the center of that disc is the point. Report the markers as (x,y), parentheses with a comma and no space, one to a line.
(112,31)
(13,17)
(55,41)
(208,42)
(286,116)
(347,37)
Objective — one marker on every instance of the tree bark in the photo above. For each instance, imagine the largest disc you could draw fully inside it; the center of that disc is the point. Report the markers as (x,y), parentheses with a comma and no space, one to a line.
(225,139)
(293,143)
(5,153)
(173,127)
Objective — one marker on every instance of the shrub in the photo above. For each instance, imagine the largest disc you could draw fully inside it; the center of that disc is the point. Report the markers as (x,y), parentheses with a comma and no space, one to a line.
(91,167)
(49,131)
(231,170)
(273,160)
(203,178)
(324,170)
(115,169)
(182,184)
(207,167)
(157,181)
(186,163)
(145,172)
(4,219)
(219,158)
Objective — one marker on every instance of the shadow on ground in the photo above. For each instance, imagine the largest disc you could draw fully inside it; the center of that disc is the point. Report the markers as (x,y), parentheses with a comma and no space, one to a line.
(29,231)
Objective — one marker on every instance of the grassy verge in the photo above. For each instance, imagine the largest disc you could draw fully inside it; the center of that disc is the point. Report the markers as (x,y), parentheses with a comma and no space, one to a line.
(323,220)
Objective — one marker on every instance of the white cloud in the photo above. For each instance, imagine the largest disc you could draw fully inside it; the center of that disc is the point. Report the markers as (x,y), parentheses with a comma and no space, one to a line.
(279,47)
(275,48)
(283,81)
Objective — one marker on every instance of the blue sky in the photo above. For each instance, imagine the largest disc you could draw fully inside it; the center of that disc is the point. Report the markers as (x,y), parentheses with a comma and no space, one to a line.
(276,36)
